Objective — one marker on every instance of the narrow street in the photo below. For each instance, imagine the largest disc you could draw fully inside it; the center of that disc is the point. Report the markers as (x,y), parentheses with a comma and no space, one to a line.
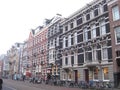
(20,85)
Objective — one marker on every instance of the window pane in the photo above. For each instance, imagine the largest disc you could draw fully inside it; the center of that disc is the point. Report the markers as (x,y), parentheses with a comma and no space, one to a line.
(117,31)
(105,73)
(72,60)
(69,40)
(118,37)
(79,21)
(102,28)
(64,42)
(71,25)
(105,55)
(96,73)
(115,12)
(66,61)
(88,17)
(96,12)
(85,35)
(75,38)
(93,31)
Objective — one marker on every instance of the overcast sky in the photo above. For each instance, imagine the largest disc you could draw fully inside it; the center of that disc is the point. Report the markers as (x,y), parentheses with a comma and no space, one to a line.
(18,17)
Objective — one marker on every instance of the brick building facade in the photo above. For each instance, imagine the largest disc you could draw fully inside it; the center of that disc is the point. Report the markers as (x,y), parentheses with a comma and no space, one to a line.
(114,17)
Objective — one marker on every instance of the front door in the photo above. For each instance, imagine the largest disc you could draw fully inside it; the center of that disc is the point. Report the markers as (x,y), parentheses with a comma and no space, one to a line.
(76,76)
(86,75)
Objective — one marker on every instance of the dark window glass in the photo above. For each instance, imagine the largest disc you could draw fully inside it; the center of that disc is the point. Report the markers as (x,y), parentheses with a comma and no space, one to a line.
(78,38)
(107,28)
(88,17)
(71,25)
(61,44)
(72,42)
(109,53)
(66,43)
(80,59)
(99,54)
(96,12)
(118,53)
(66,61)
(109,43)
(97,31)
(89,34)
(98,46)
(90,56)
(105,7)
(72,60)
(66,28)
(80,50)
(79,21)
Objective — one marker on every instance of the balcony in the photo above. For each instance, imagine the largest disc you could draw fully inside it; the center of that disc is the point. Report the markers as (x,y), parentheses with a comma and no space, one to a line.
(67,66)
(89,63)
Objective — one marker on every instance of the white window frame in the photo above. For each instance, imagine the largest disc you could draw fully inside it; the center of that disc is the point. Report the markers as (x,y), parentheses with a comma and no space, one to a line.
(75,38)
(93,31)
(94,53)
(92,14)
(85,34)
(115,13)
(103,74)
(69,40)
(102,28)
(104,52)
(117,28)
(101,9)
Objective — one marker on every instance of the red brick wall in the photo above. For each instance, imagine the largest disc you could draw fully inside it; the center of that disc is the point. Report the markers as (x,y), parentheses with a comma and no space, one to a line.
(114,24)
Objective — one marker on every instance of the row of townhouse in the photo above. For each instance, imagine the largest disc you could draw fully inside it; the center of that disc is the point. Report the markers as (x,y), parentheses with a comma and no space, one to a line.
(82,47)
(13,60)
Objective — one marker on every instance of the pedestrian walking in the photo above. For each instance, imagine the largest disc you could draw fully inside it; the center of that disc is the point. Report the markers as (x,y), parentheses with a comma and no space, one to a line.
(23,77)
(1,82)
